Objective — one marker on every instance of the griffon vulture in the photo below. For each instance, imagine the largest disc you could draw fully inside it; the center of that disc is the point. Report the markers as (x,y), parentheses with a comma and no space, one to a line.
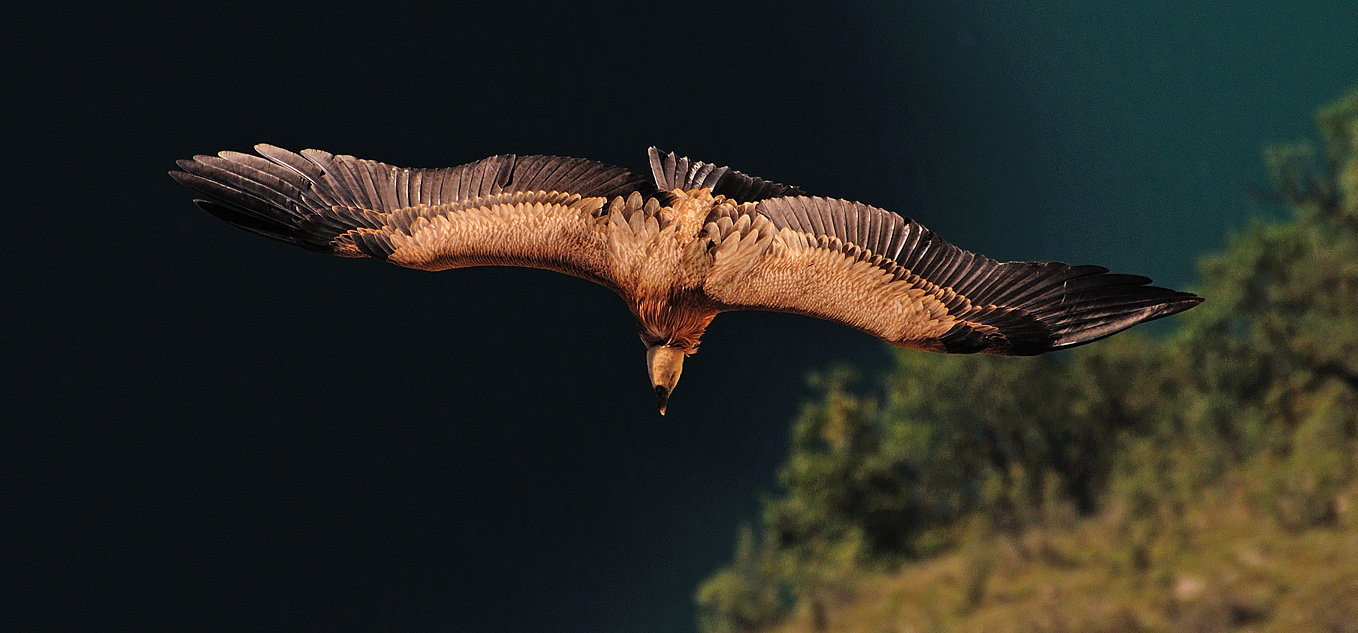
(699,241)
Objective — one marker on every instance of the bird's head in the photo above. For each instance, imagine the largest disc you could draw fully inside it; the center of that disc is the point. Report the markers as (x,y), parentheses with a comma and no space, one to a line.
(664,363)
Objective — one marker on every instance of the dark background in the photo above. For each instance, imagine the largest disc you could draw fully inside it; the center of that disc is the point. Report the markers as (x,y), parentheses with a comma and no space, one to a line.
(209,431)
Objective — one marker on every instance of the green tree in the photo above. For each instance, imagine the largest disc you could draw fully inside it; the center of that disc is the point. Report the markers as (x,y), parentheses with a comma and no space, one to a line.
(748,595)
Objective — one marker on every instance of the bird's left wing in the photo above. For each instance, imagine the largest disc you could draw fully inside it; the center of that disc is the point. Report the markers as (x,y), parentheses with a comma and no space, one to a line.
(537,211)
(889,276)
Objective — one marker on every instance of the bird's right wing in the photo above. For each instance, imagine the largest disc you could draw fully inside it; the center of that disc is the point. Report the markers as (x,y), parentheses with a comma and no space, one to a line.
(549,212)
(881,273)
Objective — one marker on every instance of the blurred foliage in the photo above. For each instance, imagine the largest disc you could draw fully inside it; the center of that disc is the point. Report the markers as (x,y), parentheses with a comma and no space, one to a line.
(1204,481)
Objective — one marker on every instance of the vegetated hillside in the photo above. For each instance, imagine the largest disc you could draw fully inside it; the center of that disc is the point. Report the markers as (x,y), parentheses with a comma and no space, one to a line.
(1202,481)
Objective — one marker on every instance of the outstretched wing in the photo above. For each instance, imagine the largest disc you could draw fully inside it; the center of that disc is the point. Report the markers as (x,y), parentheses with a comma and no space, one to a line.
(679,172)
(536,211)
(886,275)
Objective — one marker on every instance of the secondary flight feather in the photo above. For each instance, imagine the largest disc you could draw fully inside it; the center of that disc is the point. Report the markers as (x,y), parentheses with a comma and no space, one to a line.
(696,241)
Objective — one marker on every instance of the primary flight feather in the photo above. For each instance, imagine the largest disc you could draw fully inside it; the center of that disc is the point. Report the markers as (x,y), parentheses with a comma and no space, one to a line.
(698,241)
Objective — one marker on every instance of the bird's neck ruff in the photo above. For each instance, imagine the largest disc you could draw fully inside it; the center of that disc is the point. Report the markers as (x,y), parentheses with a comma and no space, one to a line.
(673,323)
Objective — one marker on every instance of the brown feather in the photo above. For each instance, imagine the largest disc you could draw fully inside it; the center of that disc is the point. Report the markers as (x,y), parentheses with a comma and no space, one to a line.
(707,239)
(986,306)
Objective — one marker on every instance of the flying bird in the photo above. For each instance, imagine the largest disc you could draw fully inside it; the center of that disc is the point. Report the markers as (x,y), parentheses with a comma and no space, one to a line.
(697,241)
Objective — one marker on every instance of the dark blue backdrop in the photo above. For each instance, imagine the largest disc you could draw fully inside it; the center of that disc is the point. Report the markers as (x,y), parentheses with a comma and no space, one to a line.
(208,431)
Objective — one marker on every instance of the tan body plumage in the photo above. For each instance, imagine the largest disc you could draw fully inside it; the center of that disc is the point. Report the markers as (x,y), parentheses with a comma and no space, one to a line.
(700,241)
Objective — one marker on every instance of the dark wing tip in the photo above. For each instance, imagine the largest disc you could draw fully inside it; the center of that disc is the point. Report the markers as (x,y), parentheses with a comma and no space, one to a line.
(259,202)
(252,223)
(1099,312)
(1182,301)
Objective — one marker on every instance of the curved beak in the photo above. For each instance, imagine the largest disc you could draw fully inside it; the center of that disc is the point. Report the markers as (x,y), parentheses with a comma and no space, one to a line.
(663,397)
